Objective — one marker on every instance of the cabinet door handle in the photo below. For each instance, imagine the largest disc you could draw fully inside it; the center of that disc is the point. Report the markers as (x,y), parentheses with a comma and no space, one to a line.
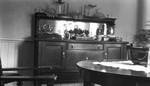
(98,47)
(64,55)
(106,56)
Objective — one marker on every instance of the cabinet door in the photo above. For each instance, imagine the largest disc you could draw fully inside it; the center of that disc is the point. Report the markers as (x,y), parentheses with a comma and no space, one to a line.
(115,51)
(74,56)
(95,55)
(51,53)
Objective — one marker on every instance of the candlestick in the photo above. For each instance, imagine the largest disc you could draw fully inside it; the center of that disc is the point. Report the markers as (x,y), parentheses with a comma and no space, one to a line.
(105,29)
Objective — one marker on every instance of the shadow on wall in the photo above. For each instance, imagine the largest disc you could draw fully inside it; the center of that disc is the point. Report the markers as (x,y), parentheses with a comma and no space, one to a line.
(26,54)
(26,51)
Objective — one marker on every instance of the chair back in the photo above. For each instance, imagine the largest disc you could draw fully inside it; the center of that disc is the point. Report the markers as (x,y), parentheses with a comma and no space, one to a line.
(139,55)
(0,67)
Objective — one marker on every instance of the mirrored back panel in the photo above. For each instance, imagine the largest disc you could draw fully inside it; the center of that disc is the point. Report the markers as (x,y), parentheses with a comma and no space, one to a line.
(68,27)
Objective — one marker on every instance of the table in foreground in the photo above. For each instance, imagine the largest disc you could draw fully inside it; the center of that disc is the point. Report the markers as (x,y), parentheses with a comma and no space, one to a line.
(95,72)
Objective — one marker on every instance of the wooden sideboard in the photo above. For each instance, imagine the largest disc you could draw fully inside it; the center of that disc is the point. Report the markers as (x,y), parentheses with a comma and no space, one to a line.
(58,49)
(61,56)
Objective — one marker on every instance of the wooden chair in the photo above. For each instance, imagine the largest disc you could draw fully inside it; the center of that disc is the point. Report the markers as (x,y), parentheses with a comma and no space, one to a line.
(15,77)
(139,56)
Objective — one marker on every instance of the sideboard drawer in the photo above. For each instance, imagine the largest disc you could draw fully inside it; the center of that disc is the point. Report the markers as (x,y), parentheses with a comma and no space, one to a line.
(85,46)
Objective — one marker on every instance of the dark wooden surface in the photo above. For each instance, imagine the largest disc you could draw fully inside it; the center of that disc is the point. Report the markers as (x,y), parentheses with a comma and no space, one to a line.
(83,41)
(104,20)
(61,56)
(29,78)
(109,76)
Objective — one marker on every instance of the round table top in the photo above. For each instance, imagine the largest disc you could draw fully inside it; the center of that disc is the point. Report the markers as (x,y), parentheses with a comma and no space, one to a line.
(116,67)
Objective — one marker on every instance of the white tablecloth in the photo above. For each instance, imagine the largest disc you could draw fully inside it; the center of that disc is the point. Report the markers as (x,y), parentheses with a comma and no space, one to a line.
(125,65)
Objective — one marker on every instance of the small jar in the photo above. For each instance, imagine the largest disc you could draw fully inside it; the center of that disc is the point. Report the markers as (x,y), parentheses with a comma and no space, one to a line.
(106,38)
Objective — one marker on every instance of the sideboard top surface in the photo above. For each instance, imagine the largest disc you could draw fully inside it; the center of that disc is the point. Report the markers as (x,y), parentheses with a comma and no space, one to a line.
(84,41)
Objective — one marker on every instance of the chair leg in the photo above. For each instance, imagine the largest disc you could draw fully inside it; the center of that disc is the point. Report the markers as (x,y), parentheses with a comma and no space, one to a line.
(19,83)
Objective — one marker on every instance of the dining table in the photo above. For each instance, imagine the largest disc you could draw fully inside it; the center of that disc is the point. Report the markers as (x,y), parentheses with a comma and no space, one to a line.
(113,73)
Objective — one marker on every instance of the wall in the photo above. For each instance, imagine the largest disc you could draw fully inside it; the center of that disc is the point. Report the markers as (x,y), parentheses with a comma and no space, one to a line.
(15,15)
(124,10)
(11,49)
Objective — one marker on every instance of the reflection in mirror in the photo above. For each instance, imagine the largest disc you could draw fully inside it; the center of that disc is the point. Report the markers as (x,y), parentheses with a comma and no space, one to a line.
(74,28)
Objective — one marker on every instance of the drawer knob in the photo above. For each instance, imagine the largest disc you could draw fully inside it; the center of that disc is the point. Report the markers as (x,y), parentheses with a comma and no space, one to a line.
(106,56)
(64,55)
(87,58)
